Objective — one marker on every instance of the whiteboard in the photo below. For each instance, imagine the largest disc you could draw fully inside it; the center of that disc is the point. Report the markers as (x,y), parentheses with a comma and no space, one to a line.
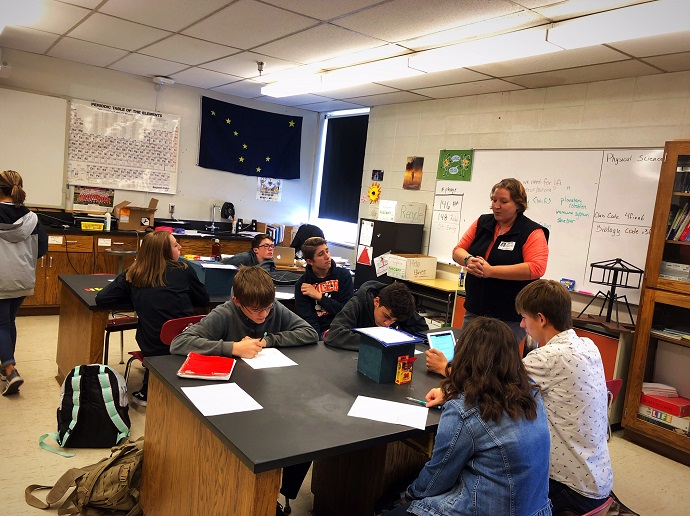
(597,205)
(33,133)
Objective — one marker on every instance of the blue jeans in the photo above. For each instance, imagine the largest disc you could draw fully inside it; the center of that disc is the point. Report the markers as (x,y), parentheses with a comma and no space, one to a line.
(8,329)
(518,331)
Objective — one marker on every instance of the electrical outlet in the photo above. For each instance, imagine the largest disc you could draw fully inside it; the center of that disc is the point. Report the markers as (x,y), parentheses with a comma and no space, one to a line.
(171,209)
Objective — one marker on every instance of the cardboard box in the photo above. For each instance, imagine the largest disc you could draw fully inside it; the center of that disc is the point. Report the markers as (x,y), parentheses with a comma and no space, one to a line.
(290,232)
(402,211)
(134,217)
(411,266)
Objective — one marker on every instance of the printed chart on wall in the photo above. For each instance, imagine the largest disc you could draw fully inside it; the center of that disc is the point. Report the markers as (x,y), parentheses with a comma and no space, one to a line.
(124,148)
(597,205)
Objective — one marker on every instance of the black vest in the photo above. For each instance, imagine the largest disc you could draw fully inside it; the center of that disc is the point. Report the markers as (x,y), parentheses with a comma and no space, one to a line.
(493,297)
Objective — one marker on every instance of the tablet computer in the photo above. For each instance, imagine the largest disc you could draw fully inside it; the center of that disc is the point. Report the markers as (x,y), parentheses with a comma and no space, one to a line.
(444,341)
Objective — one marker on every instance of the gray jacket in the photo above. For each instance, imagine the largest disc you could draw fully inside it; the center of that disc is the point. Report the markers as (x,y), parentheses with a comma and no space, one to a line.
(250,259)
(226,324)
(18,255)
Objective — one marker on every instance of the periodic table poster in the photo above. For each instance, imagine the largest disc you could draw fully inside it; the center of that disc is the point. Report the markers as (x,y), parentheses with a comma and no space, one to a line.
(123,148)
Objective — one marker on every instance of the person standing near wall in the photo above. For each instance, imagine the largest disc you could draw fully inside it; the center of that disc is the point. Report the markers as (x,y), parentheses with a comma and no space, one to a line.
(22,242)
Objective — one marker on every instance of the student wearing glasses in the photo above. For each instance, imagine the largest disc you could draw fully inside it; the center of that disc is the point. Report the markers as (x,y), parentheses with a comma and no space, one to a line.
(260,254)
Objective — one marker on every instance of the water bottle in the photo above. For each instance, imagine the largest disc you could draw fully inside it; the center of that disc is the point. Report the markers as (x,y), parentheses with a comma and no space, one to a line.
(461,279)
(215,250)
(108,219)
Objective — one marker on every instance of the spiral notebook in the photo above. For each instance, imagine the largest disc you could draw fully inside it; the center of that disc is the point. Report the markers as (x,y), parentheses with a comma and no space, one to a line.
(206,367)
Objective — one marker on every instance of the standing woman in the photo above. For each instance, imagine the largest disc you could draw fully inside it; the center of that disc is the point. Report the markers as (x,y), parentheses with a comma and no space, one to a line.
(503,251)
(22,241)
(159,288)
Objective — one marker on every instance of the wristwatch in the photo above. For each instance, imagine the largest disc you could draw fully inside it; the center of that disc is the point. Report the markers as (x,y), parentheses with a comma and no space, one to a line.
(467,258)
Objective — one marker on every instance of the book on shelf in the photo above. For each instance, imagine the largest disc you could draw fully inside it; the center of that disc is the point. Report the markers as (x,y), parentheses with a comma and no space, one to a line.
(681,423)
(680,216)
(659,388)
(676,406)
(682,226)
(206,367)
(664,334)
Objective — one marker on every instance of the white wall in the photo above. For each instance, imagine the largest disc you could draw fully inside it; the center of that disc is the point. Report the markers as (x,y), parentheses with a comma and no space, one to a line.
(198,187)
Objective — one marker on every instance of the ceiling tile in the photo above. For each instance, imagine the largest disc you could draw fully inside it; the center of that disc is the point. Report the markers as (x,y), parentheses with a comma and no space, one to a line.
(331,105)
(362,90)
(389,98)
(668,44)
(246,88)
(203,78)
(171,15)
(295,100)
(84,3)
(557,60)
(58,17)
(244,64)
(558,11)
(468,88)
(184,49)
(429,80)
(246,24)
(26,39)
(117,33)
(147,66)
(317,44)
(671,62)
(320,9)
(85,52)
(405,19)
(600,72)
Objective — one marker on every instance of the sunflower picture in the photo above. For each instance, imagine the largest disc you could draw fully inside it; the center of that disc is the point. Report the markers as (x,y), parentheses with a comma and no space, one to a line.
(374,193)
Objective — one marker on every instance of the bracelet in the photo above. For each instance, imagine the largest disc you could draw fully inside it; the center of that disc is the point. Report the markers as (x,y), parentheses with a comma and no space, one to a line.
(467,258)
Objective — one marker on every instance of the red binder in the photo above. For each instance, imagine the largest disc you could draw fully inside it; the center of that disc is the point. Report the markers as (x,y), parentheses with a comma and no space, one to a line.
(206,367)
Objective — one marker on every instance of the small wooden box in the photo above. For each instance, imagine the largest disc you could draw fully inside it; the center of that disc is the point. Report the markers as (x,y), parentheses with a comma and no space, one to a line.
(378,360)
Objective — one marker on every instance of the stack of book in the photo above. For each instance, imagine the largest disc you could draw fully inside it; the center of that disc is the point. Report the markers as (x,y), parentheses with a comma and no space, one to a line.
(671,334)
(680,226)
(659,389)
(671,413)
(682,183)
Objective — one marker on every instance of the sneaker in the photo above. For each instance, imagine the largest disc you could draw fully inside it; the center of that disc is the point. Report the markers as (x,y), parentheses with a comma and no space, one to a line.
(12,383)
(140,398)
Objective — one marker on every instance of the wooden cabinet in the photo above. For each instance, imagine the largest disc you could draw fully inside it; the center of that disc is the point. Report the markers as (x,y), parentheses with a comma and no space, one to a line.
(107,263)
(658,355)
(39,296)
(202,246)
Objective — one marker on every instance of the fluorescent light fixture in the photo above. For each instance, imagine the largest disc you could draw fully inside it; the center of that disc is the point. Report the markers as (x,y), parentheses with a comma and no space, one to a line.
(296,86)
(514,45)
(365,56)
(634,22)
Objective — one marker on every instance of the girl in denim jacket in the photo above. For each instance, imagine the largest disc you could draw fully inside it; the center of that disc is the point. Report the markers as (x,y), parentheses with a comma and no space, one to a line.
(492,445)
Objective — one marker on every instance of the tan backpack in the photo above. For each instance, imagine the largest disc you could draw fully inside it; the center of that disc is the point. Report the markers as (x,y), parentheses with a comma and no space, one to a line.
(109,486)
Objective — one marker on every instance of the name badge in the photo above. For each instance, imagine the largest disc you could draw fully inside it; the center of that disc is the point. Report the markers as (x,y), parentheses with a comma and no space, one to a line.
(506,246)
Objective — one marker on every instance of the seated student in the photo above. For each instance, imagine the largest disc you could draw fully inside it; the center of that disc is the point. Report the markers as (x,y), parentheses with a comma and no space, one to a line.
(159,288)
(242,327)
(304,232)
(324,288)
(570,373)
(261,254)
(374,304)
(491,454)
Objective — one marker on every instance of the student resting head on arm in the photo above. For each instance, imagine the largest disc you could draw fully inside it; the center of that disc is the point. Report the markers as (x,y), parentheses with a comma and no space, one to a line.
(375,304)
(491,454)
(261,253)
(570,373)
(237,327)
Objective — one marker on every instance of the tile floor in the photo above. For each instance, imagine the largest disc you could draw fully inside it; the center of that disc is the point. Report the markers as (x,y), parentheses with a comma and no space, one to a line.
(646,482)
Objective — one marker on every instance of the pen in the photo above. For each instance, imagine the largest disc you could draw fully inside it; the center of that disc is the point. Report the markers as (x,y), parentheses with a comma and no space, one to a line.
(422,402)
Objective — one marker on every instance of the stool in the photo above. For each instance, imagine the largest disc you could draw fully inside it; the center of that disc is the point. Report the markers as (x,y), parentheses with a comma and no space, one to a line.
(120,253)
(120,324)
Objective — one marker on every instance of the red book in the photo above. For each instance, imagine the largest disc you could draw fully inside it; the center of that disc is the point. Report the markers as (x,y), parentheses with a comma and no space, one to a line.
(677,406)
(206,367)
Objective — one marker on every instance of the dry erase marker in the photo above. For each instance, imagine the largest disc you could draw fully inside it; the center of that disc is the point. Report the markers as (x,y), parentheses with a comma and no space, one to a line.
(422,402)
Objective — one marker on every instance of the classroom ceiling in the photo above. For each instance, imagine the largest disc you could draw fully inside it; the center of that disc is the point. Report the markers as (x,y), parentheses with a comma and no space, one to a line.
(215,44)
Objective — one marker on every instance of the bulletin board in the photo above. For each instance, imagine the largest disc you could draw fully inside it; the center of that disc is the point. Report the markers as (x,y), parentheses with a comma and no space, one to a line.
(597,205)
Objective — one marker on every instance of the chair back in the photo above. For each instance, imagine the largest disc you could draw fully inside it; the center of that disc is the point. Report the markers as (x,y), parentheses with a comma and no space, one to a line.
(602,510)
(174,327)
(613,387)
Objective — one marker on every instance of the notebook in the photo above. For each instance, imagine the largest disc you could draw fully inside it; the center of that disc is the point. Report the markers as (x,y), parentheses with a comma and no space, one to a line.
(284,256)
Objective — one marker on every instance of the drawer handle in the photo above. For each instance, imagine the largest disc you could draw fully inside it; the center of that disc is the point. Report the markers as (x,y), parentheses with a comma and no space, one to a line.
(118,243)
(51,262)
(72,242)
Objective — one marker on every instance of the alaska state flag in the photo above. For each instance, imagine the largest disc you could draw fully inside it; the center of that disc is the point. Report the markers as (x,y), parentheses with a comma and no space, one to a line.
(248,141)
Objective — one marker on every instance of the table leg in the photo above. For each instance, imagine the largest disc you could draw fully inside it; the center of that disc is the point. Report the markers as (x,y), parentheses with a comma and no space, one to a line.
(188,470)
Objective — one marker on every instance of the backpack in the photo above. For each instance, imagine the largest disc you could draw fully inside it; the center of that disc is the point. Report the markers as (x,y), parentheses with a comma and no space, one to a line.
(111,485)
(93,411)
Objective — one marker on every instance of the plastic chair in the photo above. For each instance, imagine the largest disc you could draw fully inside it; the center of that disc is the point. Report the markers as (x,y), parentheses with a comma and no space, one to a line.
(115,324)
(613,387)
(603,509)
(169,331)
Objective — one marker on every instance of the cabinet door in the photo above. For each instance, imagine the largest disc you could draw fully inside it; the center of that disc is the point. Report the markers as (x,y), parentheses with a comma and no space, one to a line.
(64,263)
(659,355)
(202,246)
(39,296)
(668,258)
(107,263)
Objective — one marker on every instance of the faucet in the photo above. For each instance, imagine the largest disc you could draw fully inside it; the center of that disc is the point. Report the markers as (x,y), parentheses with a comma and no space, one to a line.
(213,227)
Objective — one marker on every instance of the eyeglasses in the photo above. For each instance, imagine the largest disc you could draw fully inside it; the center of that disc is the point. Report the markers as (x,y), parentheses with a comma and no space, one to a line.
(268,246)
(258,311)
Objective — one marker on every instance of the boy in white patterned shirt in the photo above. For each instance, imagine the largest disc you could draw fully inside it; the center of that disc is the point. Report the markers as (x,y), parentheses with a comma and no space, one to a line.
(570,372)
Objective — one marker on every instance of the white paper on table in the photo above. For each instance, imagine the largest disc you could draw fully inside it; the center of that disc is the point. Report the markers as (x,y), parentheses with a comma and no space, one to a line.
(418,352)
(387,335)
(389,412)
(284,295)
(224,398)
(269,357)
